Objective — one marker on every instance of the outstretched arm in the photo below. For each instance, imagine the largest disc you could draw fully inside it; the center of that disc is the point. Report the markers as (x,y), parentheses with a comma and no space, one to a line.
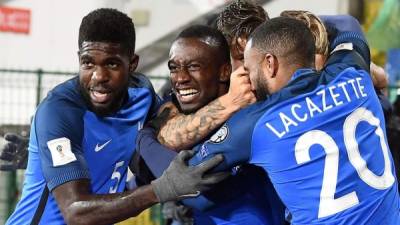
(344,23)
(80,206)
(183,131)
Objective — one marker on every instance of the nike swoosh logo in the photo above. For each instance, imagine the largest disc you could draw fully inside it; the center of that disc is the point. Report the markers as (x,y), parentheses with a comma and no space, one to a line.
(99,148)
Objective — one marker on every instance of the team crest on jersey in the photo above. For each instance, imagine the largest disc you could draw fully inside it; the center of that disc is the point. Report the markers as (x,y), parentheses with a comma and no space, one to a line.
(221,135)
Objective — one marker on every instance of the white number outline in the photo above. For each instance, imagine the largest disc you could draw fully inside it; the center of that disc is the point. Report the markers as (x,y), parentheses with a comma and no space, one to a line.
(328,205)
(116,175)
(349,129)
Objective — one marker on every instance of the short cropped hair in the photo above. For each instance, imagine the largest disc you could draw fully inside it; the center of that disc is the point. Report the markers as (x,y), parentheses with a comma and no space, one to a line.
(316,26)
(211,36)
(108,25)
(240,19)
(287,38)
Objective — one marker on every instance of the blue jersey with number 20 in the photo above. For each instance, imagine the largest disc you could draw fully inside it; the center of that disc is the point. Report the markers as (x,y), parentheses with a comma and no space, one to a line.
(322,141)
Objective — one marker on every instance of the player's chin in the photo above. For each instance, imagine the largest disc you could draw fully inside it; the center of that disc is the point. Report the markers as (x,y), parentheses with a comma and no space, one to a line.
(189,108)
(101,109)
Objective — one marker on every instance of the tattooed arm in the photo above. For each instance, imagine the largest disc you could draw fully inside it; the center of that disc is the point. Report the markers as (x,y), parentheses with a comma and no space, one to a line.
(183,131)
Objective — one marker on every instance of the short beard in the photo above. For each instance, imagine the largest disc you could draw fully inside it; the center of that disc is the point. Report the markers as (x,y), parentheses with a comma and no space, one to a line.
(261,94)
(261,84)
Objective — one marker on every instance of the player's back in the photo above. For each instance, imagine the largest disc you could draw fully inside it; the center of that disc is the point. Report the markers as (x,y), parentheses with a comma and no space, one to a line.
(326,151)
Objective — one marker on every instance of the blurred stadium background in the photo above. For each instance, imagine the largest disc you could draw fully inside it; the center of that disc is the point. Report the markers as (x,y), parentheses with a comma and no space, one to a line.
(38,44)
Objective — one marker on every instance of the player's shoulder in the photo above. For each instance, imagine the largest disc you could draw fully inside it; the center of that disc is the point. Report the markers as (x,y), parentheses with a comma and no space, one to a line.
(139,80)
(141,85)
(66,93)
(248,115)
(63,101)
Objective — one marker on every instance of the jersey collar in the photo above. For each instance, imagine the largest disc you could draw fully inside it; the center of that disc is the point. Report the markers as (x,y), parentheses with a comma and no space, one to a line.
(302,72)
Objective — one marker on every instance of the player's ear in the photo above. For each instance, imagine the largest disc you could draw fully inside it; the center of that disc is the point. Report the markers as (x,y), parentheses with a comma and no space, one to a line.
(270,65)
(225,72)
(133,63)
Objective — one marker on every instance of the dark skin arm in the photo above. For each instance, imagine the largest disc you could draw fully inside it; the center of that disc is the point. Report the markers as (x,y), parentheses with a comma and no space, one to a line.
(79,206)
(181,131)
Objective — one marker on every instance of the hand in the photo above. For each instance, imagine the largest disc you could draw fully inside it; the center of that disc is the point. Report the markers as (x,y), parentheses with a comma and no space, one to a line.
(181,181)
(240,93)
(379,77)
(14,152)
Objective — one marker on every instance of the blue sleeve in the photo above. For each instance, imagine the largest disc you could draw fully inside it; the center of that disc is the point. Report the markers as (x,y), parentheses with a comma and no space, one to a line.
(344,29)
(228,189)
(337,24)
(233,140)
(58,127)
(156,156)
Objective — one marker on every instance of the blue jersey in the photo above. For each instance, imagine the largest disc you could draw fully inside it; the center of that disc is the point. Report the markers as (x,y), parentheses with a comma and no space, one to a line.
(69,142)
(322,141)
(245,198)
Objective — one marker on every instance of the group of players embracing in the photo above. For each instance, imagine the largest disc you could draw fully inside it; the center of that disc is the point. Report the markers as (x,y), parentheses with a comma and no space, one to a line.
(284,118)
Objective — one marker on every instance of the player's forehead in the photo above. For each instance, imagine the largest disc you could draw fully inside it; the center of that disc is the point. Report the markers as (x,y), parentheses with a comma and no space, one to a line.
(89,47)
(185,50)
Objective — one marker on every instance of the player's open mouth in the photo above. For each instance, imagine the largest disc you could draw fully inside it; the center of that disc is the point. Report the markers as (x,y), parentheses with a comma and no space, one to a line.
(187,95)
(99,96)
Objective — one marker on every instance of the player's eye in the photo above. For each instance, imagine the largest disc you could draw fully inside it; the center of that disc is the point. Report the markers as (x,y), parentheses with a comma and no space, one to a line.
(86,64)
(112,65)
(172,68)
(193,67)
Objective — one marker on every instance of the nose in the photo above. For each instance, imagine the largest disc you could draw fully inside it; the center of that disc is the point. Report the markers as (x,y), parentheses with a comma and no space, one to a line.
(182,76)
(100,75)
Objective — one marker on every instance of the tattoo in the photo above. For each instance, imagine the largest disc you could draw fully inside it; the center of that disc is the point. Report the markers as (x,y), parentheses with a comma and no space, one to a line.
(183,131)
(160,120)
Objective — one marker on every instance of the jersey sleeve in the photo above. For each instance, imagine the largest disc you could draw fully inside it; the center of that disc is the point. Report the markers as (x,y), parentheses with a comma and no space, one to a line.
(235,185)
(232,140)
(59,130)
(151,159)
(347,42)
(150,156)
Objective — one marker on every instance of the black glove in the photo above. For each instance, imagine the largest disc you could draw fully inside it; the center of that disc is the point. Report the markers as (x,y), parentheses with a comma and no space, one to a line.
(14,152)
(181,181)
